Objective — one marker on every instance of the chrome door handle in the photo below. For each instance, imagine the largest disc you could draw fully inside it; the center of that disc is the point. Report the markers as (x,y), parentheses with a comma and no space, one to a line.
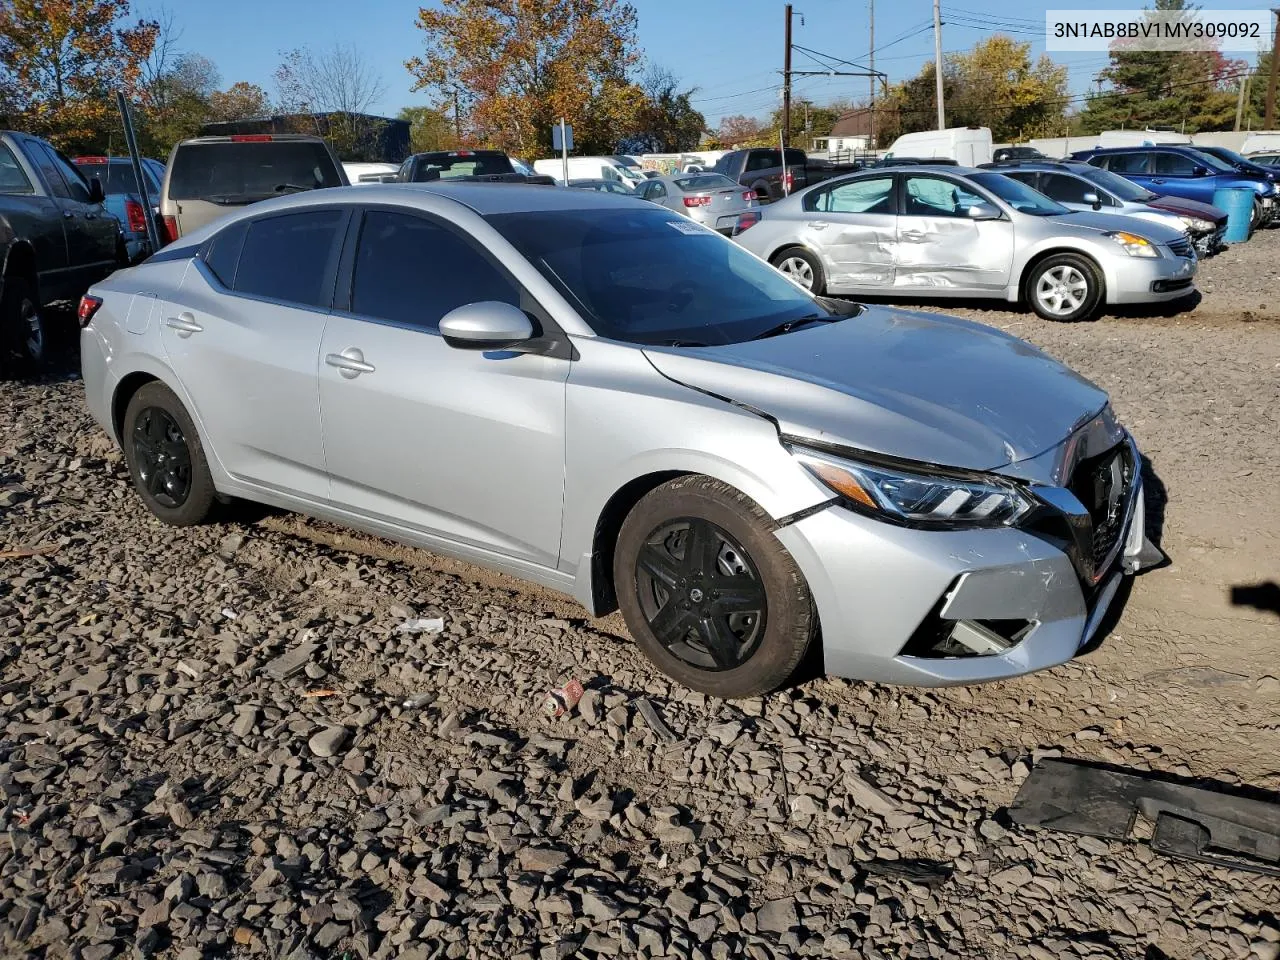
(818,225)
(184,323)
(350,363)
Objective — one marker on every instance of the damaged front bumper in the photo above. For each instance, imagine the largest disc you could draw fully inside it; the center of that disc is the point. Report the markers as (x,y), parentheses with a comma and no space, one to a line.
(942,607)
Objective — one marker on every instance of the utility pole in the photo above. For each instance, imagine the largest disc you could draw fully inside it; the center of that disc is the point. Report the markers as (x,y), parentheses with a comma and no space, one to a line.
(786,83)
(871,67)
(1244,82)
(937,61)
(1271,84)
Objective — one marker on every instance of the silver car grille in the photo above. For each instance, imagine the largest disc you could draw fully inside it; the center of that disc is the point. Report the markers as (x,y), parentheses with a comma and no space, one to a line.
(1182,248)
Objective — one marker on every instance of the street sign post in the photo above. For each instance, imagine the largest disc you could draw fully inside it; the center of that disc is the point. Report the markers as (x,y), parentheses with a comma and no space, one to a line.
(562,140)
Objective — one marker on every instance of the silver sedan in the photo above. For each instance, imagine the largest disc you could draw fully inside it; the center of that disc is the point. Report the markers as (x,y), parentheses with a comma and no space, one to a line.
(934,231)
(593,393)
(711,199)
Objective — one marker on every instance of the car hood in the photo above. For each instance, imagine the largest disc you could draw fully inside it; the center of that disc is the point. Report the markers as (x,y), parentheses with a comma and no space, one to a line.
(1188,208)
(1111,222)
(919,386)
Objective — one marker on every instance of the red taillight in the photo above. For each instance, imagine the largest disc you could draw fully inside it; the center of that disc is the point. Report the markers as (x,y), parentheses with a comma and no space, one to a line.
(89,160)
(88,307)
(461,153)
(134,215)
(169,229)
(748,195)
(252,138)
(746,221)
(697,201)
(789,180)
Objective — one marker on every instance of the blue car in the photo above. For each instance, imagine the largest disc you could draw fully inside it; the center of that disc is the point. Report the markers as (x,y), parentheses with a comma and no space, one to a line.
(1187,172)
(122,197)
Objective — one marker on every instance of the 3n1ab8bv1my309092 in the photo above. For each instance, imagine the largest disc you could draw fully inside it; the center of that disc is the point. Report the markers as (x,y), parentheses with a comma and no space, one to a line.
(598,395)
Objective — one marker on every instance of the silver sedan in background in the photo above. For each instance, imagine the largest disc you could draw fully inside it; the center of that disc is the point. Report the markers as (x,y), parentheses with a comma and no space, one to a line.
(946,231)
(711,199)
(603,186)
(624,406)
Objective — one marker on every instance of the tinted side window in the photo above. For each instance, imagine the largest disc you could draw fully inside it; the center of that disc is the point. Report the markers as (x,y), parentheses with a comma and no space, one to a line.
(289,257)
(658,191)
(763,159)
(1174,165)
(1127,162)
(223,253)
(75,182)
(1065,189)
(12,177)
(41,157)
(412,270)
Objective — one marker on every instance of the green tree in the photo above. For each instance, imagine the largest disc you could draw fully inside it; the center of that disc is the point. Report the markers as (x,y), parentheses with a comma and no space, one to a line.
(429,129)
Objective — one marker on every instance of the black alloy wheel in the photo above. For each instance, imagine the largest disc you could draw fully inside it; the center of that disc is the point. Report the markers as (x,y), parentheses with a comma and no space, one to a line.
(701,594)
(163,458)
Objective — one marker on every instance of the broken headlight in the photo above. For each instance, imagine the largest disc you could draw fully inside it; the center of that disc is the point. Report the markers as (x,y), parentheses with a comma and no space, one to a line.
(919,498)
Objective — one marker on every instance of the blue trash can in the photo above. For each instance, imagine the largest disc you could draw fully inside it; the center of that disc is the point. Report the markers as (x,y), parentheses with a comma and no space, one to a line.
(1238,203)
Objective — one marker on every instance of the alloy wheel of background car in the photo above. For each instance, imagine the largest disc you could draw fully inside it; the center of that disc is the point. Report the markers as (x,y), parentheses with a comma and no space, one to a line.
(23,322)
(802,267)
(1064,287)
(166,461)
(707,590)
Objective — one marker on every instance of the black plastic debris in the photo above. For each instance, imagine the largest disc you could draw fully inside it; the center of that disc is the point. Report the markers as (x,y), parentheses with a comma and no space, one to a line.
(1239,833)
(927,873)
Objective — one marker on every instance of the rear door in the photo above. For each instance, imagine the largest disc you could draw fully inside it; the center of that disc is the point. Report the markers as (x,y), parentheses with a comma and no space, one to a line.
(853,226)
(90,231)
(35,215)
(1133,165)
(940,246)
(245,341)
(460,444)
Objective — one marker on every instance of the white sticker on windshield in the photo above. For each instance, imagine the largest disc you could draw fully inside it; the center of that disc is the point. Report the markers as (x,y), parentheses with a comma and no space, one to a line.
(688,227)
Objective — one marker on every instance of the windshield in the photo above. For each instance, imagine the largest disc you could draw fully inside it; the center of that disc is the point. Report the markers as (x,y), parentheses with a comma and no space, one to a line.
(1215,163)
(654,277)
(247,171)
(627,161)
(117,177)
(451,166)
(711,181)
(1018,195)
(1114,184)
(1230,156)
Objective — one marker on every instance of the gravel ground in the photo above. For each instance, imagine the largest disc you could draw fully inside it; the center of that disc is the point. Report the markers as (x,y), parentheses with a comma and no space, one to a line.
(215,742)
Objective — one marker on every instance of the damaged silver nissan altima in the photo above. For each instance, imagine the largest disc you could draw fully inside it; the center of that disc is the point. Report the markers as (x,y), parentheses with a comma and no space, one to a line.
(595,394)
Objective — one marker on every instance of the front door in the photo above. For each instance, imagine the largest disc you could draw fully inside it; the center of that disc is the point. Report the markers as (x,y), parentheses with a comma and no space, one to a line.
(854,225)
(940,247)
(245,344)
(92,233)
(463,445)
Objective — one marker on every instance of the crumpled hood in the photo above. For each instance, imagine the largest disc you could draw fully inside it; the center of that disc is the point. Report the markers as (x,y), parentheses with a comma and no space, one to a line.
(900,383)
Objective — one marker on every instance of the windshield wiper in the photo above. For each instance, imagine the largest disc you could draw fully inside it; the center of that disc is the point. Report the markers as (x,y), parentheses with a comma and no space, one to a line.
(788,325)
(291,187)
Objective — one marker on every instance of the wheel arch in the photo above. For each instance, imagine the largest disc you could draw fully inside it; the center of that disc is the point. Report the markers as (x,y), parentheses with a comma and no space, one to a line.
(603,597)
(124,392)
(1041,255)
(20,260)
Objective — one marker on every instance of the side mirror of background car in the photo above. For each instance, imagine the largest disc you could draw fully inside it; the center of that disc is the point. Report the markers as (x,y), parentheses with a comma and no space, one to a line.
(486,325)
(1092,200)
(96,193)
(984,211)
(1199,171)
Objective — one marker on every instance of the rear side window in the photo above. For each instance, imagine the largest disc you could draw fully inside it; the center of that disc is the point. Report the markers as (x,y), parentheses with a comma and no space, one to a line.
(70,175)
(289,257)
(412,271)
(1127,162)
(12,177)
(763,160)
(244,172)
(223,253)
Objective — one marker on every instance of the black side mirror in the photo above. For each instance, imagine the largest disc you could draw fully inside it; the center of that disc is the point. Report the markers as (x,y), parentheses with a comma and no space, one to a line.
(1199,171)
(96,193)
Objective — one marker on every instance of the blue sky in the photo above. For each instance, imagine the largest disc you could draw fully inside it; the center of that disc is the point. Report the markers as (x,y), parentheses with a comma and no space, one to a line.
(732,52)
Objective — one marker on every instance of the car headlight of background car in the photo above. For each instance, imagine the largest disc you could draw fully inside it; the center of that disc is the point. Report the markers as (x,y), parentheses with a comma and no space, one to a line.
(1195,223)
(920,497)
(1134,245)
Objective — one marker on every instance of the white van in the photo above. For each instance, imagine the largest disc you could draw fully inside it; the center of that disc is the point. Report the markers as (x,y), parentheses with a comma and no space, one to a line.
(590,168)
(967,146)
(369,172)
(1256,142)
(1139,138)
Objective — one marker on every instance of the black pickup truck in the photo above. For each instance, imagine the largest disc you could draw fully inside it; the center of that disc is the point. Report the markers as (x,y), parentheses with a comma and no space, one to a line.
(485,166)
(761,169)
(56,239)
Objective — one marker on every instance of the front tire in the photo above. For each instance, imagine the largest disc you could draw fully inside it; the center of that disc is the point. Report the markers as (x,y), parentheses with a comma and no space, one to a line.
(1065,287)
(802,267)
(708,592)
(166,461)
(23,331)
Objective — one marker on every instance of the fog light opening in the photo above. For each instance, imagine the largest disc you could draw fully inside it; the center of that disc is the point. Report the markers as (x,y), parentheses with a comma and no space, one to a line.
(938,638)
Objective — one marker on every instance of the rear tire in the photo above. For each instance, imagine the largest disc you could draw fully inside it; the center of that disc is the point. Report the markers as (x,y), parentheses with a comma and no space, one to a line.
(23,332)
(802,267)
(166,461)
(1065,287)
(708,591)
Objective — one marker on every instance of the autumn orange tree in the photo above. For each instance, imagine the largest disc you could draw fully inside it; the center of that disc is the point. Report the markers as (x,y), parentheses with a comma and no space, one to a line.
(63,60)
(512,68)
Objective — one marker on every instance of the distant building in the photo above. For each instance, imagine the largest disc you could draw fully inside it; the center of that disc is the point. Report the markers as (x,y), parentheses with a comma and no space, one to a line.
(851,133)
(384,139)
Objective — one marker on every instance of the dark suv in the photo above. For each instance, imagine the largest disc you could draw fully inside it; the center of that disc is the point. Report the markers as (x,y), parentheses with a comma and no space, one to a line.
(1185,172)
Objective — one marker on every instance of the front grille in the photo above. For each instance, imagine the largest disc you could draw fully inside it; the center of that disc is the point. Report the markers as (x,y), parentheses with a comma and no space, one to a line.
(1182,248)
(1104,484)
